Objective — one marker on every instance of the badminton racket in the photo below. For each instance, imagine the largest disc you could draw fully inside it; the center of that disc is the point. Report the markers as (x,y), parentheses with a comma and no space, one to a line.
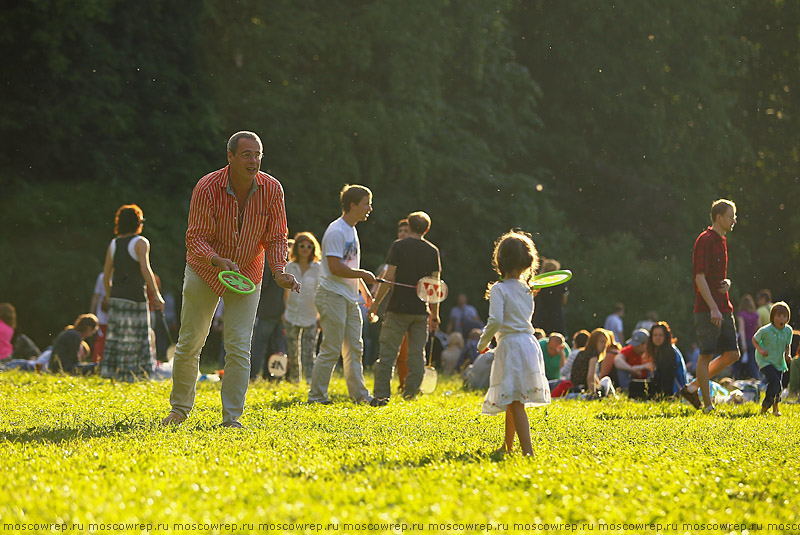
(429,289)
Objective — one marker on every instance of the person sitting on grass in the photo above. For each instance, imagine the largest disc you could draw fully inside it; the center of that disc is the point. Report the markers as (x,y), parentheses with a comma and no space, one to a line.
(555,351)
(669,374)
(8,322)
(38,363)
(772,343)
(470,351)
(579,340)
(607,368)
(584,369)
(70,348)
(476,376)
(630,362)
(452,353)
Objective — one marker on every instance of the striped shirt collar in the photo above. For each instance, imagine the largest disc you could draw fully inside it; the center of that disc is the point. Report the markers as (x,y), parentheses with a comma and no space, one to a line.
(223,182)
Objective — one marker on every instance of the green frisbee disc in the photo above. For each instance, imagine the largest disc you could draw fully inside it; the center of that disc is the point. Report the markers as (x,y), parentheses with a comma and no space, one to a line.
(552,278)
(236,282)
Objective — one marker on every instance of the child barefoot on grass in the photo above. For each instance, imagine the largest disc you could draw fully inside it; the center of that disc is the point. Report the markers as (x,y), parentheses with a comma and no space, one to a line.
(517,378)
(772,342)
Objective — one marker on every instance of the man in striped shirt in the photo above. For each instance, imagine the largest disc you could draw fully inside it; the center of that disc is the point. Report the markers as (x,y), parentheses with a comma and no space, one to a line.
(236,215)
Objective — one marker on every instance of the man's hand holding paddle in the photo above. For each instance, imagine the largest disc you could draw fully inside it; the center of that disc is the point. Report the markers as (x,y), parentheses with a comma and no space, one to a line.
(225,264)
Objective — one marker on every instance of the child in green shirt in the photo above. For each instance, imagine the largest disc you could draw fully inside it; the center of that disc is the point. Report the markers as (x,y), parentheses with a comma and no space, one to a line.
(772,343)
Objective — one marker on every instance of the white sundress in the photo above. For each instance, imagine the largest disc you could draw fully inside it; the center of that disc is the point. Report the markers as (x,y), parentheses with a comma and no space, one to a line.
(518,367)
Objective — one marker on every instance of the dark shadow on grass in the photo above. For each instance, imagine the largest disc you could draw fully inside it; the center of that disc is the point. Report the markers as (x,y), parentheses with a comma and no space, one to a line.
(276,405)
(735,415)
(337,400)
(43,435)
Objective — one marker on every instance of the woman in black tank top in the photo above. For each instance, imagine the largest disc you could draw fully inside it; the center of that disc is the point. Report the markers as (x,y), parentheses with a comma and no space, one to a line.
(128,353)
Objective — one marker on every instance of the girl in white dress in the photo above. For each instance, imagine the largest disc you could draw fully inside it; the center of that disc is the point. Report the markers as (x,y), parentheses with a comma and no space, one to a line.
(517,379)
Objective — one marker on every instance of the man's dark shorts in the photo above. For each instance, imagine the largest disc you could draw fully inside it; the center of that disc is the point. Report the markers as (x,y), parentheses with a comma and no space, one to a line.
(714,340)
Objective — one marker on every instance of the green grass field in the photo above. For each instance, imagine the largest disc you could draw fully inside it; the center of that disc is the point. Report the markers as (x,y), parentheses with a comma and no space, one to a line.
(88,454)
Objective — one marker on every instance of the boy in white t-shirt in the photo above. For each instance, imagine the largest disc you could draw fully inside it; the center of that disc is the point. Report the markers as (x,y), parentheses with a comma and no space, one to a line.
(337,299)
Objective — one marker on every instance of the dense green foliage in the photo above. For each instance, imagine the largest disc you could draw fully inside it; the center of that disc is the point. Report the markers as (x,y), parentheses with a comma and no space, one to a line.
(83,450)
(606,129)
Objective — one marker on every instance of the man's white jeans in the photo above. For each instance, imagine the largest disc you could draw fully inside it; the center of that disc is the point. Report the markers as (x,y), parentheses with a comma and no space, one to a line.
(340,320)
(197,311)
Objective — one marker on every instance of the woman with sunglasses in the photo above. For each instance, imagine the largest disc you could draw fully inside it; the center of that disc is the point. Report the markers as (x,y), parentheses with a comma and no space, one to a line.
(301,315)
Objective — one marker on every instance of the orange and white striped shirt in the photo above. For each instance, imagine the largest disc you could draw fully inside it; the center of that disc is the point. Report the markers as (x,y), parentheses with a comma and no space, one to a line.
(214,228)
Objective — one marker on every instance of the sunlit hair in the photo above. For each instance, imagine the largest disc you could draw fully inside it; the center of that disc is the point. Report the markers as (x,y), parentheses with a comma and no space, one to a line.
(419,222)
(352,194)
(612,338)
(580,338)
(668,339)
(557,336)
(306,237)
(129,219)
(456,339)
(747,303)
(514,252)
(233,142)
(402,223)
(8,314)
(612,349)
(591,344)
(777,308)
(719,207)
(86,322)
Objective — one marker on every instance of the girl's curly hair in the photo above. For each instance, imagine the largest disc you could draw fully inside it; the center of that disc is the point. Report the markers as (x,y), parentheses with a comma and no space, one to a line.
(514,252)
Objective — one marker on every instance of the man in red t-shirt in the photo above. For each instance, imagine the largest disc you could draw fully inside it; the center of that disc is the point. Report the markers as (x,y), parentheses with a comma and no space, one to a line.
(713,312)
(630,358)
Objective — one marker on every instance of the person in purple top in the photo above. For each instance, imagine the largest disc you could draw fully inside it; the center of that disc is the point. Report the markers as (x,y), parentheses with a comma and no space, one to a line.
(747,323)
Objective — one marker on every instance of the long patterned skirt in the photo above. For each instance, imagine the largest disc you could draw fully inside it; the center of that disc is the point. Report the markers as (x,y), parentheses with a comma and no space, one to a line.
(129,353)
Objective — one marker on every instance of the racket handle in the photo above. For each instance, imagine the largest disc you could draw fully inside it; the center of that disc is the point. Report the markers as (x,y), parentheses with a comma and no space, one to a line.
(166,326)
(395,283)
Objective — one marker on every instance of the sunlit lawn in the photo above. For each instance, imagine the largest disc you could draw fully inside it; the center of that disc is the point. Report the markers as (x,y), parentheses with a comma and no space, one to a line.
(85,451)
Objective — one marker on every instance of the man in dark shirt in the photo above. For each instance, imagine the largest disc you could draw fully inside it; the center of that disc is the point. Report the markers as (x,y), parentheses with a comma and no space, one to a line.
(713,312)
(67,345)
(548,311)
(409,260)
